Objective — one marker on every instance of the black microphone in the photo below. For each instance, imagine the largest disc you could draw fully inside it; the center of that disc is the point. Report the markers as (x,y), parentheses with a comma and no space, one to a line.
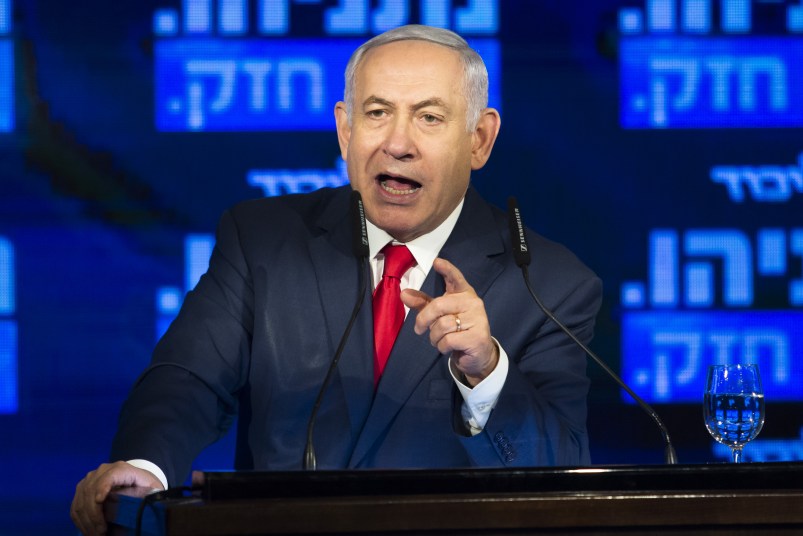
(360,230)
(360,250)
(521,254)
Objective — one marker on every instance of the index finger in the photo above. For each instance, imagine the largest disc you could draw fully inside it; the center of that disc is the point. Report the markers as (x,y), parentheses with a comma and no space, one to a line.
(455,282)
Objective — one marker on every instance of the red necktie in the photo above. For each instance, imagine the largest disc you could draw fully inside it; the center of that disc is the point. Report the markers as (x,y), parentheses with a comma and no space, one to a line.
(388,307)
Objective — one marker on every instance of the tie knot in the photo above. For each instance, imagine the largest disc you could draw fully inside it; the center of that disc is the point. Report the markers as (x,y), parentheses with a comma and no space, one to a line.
(398,260)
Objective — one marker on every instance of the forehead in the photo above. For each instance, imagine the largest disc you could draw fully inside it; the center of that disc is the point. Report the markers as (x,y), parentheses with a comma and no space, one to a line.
(412,66)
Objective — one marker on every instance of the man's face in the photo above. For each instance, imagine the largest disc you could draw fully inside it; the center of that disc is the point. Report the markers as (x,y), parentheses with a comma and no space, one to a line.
(407,149)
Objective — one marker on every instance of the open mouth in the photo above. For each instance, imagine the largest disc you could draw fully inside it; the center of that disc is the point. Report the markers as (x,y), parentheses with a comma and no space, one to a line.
(398,185)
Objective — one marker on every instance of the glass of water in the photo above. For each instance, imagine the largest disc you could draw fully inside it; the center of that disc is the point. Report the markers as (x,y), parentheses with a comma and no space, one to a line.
(734,405)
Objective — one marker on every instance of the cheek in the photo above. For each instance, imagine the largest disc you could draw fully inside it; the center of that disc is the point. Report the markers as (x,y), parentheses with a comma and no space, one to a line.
(361,151)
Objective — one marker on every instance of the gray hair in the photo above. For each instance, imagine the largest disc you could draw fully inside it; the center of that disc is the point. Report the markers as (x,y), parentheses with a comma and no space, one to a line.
(475,75)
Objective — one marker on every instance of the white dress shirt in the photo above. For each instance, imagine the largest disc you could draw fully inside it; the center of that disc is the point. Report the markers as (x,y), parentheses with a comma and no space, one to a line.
(480,400)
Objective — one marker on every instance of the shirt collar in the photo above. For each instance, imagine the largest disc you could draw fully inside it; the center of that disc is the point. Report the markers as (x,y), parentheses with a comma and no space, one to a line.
(425,248)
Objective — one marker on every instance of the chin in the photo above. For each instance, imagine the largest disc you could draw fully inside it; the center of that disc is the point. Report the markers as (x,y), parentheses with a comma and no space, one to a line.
(399,232)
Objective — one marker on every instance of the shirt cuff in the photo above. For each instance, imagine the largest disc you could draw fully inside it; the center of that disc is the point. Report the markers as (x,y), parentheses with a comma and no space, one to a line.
(478,402)
(152,467)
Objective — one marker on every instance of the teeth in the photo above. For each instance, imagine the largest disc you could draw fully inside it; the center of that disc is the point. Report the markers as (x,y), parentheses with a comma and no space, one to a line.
(395,191)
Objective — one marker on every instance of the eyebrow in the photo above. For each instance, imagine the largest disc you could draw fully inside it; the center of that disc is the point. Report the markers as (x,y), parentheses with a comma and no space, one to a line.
(434,101)
(373,99)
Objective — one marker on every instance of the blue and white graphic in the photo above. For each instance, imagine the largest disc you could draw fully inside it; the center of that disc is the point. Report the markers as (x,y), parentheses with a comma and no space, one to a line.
(6,69)
(667,353)
(213,75)
(9,397)
(276,182)
(766,184)
(766,450)
(349,17)
(217,85)
(197,251)
(692,312)
(682,69)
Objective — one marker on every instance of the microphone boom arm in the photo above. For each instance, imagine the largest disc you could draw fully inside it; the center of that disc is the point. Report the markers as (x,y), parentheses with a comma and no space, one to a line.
(669,452)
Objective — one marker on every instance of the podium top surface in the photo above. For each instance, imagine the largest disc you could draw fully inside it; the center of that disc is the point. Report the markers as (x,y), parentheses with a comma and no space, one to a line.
(747,476)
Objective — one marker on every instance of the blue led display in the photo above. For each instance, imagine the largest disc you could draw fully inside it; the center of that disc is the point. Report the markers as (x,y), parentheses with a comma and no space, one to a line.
(765,184)
(687,82)
(766,450)
(665,350)
(6,85)
(8,330)
(205,84)
(274,182)
(665,354)
(9,402)
(247,85)
(736,15)
(5,17)
(794,18)
(6,69)
(696,16)
(348,18)
(740,257)
(197,251)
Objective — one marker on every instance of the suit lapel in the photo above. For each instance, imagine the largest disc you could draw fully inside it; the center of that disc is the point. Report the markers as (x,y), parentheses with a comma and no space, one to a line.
(473,247)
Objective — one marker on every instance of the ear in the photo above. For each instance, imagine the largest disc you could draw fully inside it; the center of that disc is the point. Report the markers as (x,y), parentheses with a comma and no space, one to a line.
(343,128)
(484,137)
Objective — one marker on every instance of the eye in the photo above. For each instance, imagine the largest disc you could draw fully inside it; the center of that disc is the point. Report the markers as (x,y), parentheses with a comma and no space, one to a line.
(376,114)
(431,119)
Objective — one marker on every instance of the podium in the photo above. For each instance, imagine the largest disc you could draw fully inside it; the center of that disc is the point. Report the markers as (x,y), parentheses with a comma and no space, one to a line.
(718,499)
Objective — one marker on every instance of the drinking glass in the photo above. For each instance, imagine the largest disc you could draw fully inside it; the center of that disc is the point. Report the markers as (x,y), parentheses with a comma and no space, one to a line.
(734,405)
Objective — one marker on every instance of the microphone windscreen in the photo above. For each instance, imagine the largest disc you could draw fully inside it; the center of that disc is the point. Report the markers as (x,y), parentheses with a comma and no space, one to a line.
(359,230)
(521,253)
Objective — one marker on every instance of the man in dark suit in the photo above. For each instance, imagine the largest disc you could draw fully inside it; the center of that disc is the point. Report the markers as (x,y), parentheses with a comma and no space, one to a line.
(477,377)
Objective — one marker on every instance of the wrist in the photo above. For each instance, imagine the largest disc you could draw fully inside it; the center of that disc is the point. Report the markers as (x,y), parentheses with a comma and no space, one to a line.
(472,380)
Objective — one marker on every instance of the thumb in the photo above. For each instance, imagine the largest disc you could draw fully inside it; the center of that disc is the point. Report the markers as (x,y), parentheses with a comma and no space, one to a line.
(415,299)
(198,479)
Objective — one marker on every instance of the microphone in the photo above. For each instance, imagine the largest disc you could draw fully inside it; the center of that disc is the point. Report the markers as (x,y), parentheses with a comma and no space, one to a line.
(360,250)
(521,255)
(359,230)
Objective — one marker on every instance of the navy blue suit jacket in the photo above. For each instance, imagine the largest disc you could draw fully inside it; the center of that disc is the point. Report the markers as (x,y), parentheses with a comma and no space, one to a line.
(255,337)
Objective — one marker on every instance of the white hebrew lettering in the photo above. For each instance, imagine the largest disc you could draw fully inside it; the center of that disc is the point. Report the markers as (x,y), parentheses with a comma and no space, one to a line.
(478,17)
(776,343)
(258,71)
(690,345)
(731,178)
(435,13)
(280,181)
(688,69)
(349,17)
(796,285)
(224,71)
(310,69)
(734,248)
(389,14)
(771,184)
(775,71)
(720,69)
(724,344)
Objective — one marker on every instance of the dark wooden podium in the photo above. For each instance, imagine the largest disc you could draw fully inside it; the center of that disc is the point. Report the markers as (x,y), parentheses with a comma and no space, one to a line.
(755,499)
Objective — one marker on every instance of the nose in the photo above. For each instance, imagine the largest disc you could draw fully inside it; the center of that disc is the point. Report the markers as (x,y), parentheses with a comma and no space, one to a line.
(400,143)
